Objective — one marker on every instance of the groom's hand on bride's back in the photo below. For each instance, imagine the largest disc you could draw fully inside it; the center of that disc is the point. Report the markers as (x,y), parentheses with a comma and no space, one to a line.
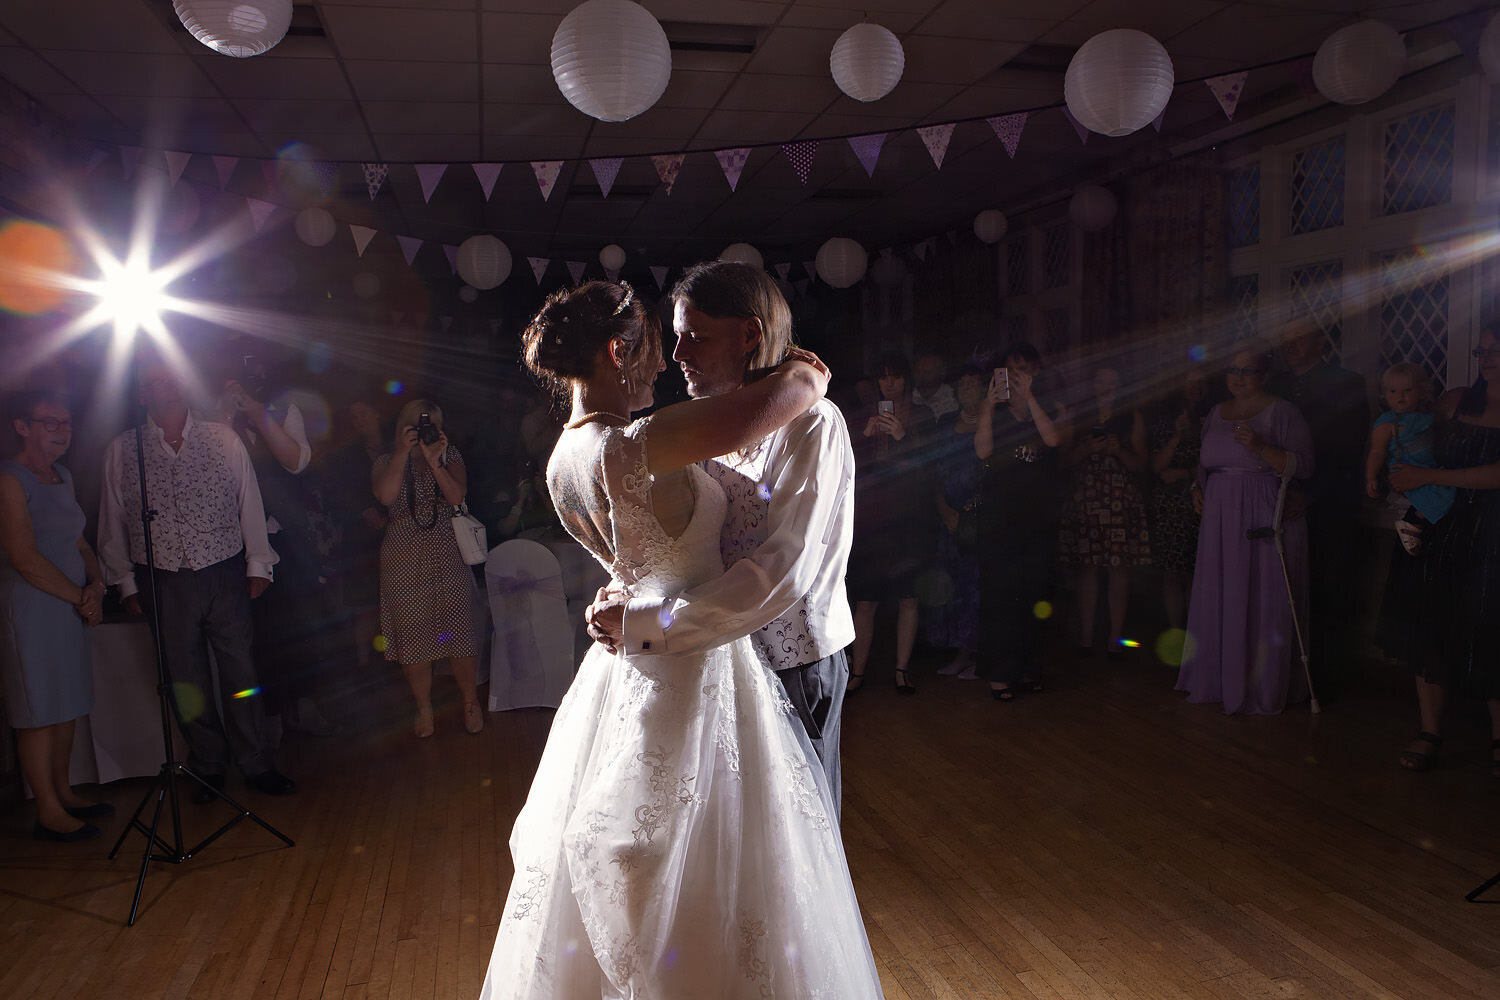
(605,618)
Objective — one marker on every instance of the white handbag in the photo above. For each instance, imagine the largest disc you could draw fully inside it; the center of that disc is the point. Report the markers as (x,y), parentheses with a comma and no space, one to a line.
(473,546)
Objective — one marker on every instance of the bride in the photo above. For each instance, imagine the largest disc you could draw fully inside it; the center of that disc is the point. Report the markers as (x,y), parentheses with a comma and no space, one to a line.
(676,843)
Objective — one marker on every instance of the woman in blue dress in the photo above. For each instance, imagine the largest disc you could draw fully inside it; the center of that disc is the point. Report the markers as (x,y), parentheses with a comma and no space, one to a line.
(50,592)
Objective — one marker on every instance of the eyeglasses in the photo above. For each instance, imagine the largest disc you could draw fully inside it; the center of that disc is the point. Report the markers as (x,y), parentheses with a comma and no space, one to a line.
(1244,371)
(1485,353)
(50,424)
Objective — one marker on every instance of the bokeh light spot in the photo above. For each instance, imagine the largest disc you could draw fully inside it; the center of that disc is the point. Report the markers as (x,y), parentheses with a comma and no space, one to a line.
(1042,610)
(445,637)
(1130,644)
(1171,646)
(189,699)
(1197,352)
(394,388)
(763,490)
(33,257)
(247,693)
(319,357)
(935,588)
(380,643)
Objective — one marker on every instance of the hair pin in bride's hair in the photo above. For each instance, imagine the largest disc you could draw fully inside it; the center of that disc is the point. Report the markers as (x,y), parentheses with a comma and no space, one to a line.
(625,302)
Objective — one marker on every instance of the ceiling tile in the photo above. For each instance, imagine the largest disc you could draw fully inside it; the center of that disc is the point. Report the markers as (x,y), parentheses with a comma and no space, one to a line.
(793,51)
(511,84)
(519,38)
(427,148)
(534,119)
(1248,34)
(32,73)
(119,26)
(759,92)
(995,21)
(304,120)
(391,33)
(689,89)
(381,80)
(911,99)
(658,121)
(956,60)
(755,12)
(524,147)
(1161,19)
(976,101)
(177,114)
(347,148)
(744,128)
(416,117)
(271,76)
(84,114)
(133,74)
(842,19)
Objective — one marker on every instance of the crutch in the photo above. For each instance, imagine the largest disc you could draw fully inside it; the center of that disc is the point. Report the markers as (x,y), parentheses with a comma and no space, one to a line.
(1274,532)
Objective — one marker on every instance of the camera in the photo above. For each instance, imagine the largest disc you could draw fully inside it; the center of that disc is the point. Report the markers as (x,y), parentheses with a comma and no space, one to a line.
(252,378)
(427,431)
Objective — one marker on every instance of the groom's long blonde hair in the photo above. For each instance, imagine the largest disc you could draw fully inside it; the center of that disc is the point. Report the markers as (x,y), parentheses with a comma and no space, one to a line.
(727,289)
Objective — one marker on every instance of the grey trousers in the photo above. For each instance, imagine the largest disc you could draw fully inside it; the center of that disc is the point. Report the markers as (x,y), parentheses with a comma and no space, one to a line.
(816,690)
(203,609)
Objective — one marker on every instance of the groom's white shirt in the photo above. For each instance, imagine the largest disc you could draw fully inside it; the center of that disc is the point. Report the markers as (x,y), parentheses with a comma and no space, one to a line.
(786,545)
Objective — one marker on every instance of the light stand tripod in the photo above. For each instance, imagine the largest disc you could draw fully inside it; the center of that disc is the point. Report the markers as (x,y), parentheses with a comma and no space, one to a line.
(164,786)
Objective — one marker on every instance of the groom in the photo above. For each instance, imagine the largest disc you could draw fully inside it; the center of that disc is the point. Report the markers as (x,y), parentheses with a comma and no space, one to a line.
(787,532)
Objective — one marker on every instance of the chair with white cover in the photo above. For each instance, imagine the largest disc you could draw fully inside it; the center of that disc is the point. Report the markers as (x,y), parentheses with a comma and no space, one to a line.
(531,661)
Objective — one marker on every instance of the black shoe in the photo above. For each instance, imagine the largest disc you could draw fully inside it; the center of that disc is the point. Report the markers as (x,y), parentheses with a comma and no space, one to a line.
(903,685)
(271,782)
(202,796)
(94,810)
(87,831)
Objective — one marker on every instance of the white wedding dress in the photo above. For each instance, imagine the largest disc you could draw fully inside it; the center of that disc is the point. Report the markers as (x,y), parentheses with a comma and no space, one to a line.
(676,843)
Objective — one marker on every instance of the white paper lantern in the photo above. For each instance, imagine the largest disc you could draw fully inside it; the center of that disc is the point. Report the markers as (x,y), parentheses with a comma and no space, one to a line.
(1092,208)
(888,271)
(366,285)
(612,257)
(990,225)
(468,293)
(238,28)
(315,226)
(611,59)
(841,262)
(483,261)
(744,253)
(867,62)
(1118,82)
(1489,49)
(1359,63)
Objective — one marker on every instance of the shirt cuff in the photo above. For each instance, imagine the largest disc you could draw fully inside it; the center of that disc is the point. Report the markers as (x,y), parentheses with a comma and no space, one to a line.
(644,627)
(128,587)
(260,569)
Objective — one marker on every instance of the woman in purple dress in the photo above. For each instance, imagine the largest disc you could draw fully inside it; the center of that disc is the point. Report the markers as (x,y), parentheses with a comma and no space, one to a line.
(1242,645)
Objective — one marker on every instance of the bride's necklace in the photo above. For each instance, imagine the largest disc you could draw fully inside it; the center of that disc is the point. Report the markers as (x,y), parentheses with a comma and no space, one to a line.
(595,415)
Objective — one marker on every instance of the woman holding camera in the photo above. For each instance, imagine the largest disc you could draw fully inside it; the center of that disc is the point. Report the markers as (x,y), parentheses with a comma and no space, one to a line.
(427,594)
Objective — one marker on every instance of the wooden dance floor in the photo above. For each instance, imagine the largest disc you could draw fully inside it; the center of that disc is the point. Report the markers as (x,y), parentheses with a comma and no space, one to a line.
(1102,840)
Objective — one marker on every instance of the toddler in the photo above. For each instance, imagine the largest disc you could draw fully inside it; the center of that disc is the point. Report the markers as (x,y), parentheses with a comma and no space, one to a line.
(1403,434)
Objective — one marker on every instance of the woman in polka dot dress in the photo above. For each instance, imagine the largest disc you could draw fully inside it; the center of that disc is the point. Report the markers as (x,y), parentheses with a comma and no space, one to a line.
(427,594)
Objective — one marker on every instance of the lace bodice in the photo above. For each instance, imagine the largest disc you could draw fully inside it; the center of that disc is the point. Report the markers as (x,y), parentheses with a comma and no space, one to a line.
(603,493)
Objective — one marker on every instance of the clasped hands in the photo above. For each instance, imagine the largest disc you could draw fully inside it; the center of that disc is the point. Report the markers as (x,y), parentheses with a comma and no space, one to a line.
(90,605)
(605,618)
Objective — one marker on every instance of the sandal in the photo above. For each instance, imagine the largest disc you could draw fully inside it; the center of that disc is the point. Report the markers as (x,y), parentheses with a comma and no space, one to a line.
(855,682)
(1002,692)
(903,685)
(1416,760)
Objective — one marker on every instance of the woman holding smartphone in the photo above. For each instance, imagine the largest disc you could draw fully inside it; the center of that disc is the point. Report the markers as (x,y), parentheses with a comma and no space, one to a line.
(895,526)
(1018,438)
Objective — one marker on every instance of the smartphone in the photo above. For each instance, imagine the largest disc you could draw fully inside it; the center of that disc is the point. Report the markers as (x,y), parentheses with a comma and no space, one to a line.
(252,378)
(1002,382)
(885,406)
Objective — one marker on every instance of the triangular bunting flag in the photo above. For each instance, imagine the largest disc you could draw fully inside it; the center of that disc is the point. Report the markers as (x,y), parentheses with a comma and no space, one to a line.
(660,274)
(1078,126)
(612,273)
(445,322)
(1227,90)
(428,174)
(575,268)
(268,174)
(539,267)
(176,163)
(224,166)
(1157,121)
(920,249)
(96,157)
(1007,129)
(801,154)
(546,175)
(130,158)
(785,270)
(374,177)
(487,172)
(451,253)
(605,172)
(327,175)
(867,149)
(260,211)
(409,247)
(397,317)
(732,162)
(667,168)
(362,237)
(935,138)
(811,267)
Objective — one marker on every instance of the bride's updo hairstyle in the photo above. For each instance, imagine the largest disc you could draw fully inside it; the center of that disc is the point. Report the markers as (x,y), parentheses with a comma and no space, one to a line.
(564,339)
